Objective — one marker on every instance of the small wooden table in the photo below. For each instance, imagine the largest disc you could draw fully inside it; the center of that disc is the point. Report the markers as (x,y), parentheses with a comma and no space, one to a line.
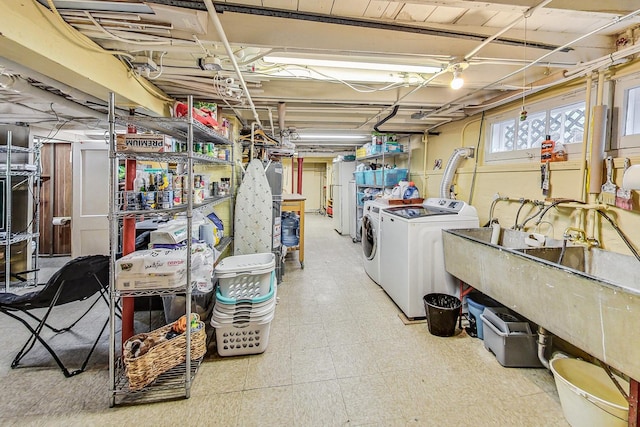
(295,203)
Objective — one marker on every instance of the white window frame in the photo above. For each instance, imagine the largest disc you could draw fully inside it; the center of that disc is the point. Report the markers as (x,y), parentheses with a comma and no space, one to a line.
(627,145)
(532,154)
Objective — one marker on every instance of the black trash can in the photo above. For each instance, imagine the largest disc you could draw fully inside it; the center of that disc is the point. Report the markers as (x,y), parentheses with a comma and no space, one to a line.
(442,313)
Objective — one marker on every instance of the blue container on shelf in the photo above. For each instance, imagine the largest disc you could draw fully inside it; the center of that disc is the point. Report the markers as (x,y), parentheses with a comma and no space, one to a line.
(360,198)
(359,177)
(378,176)
(369,178)
(393,176)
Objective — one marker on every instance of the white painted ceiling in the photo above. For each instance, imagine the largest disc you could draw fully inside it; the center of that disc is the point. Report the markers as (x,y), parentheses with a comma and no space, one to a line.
(536,42)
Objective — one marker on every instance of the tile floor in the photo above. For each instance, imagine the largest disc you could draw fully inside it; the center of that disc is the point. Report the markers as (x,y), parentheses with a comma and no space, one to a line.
(338,355)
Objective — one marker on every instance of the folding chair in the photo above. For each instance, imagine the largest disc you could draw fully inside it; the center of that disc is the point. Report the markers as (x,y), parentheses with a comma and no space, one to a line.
(77,280)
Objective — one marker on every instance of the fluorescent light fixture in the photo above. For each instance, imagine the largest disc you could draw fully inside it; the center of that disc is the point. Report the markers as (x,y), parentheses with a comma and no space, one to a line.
(400,68)
(347,75)
(135,6)
(334,136)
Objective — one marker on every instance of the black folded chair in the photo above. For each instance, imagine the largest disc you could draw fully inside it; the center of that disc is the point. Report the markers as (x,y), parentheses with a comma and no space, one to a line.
(77,280)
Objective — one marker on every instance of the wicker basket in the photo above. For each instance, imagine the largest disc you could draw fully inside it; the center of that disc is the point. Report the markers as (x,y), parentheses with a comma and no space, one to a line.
(143,370)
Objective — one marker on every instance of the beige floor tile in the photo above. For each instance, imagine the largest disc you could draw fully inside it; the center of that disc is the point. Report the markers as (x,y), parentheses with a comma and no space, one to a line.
(307,336)
(368,399)
(319,404)
(267,407)
(354,360)
(343,333)
(270,369)
(312,365)
(222,375)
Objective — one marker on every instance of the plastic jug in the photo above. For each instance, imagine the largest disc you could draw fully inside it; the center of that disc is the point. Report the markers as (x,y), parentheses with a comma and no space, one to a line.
(411,191)
(290,229)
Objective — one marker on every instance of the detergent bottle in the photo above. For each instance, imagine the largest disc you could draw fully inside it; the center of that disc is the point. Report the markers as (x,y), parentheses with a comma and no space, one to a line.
(411,191)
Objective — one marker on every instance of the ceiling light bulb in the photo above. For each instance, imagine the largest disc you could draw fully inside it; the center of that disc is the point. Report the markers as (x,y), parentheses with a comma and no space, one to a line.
(457,82)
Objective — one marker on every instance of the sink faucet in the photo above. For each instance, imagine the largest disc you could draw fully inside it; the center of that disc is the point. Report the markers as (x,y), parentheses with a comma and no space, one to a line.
(577,235)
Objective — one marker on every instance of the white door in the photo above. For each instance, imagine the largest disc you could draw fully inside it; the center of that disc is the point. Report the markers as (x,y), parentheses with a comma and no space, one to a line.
(89,223)
(312,181)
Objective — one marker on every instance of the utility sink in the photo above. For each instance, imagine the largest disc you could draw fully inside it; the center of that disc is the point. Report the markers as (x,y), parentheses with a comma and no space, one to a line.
(587,297)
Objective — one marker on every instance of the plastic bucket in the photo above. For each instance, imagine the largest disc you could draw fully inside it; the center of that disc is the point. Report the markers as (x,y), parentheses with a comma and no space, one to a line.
(588,396)
(442,313)
(476,303)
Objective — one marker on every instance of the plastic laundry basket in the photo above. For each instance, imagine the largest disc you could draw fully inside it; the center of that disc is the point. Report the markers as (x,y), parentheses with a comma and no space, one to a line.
(442,313)
(588,396)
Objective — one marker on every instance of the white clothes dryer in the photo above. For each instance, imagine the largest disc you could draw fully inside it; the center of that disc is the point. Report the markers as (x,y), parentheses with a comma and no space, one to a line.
(411,253)
(371,237)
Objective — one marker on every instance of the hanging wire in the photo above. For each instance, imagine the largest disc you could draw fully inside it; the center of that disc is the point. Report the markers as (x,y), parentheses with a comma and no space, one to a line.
(523,113)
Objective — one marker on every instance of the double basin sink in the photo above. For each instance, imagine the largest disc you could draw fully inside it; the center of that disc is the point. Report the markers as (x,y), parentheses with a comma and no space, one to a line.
(589,297)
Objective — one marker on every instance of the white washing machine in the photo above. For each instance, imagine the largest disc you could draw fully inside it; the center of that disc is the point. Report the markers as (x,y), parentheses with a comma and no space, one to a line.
(371,237)
(411,253)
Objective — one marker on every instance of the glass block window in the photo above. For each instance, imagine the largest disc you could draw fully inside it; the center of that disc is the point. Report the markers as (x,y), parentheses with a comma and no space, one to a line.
(531,132)
(503,136)
(566,124)
(514,139)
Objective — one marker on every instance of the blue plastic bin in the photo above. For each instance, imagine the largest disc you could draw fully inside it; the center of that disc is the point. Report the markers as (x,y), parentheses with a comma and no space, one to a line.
(393,176)
(359,177)
(369,178)
(476,303)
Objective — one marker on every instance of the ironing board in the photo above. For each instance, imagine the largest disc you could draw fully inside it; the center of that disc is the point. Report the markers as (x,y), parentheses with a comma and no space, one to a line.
(253,227)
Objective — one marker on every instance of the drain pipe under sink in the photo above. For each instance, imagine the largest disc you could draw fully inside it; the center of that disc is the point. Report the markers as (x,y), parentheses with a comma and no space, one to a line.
(544,340)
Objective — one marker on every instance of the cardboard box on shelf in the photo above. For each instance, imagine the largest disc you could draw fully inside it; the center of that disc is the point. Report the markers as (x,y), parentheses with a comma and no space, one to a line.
(144,142)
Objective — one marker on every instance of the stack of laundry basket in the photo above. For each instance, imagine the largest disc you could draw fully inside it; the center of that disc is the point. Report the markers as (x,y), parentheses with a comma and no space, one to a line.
(245,303)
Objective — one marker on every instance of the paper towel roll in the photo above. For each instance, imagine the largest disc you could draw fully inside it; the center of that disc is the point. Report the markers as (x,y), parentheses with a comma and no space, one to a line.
(631,178)
(61,220)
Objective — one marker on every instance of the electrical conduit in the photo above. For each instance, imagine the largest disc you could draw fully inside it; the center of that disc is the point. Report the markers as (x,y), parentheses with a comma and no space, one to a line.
(213,15)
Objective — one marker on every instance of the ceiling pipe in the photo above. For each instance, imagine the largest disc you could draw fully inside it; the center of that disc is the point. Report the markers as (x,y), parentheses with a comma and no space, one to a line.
(282,111)
(353,22)
(532,63)
(20,69)
(389,117)
(526,14)
(20,85)
(213,15)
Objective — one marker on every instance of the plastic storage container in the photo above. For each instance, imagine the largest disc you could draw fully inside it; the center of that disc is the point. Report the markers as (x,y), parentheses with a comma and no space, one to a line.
(510,339)
(394,176)
(290,229)
(360,198)
(175,305)
(588,396)
(369,178)
(359,177)
(442,313)
(245,276)
(476,303)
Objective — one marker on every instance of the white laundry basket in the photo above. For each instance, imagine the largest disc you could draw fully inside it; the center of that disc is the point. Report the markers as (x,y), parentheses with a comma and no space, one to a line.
(245,276)
(238,338)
